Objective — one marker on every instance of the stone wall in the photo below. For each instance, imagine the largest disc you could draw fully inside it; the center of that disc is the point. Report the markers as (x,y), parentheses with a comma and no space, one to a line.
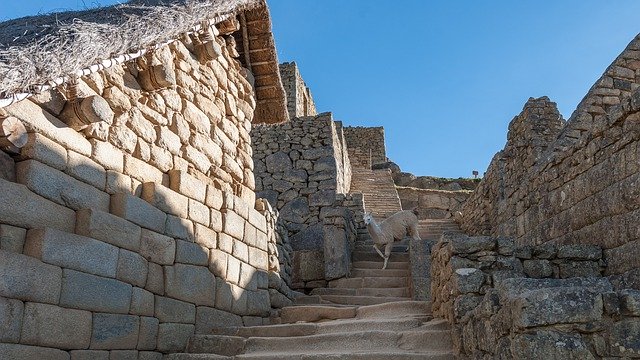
(366,145)
(433,204)
(124,237)
(303,169)
(523,302)
(539,191)
(299,100)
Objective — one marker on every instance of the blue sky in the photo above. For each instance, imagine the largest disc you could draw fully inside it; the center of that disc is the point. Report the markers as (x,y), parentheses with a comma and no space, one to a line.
(443,77)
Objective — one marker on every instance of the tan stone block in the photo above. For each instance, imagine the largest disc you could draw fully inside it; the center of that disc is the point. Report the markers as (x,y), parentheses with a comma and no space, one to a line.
(40,148)
(72,251)
(216,220)
(205,236)
(258,220)
(199,212)
(180,164)
(225,243)
(132,268)
(24,352)
(241,207)
(12,238)
(180,228)
(248,277)
(233,224)
(214,198)
(233,270)
(117,99)
(180,127)
(258,258)
(108,228)
(224,295)
(218,263)
(165,199)
(172,310)
(168,140)
(194,284)
(155,279)
(240,250)
(60,187)
(51,100)
(56,327)
(198,120)
(141,171)
(117,182)
(208,147)
(107,155)
(187,185)
(157,248)
(138,212)
(173,338)
(161,158)
(141,126)
(114,331)
(86,170)
(35,119)
(198,159)
(98,131)
(123,138)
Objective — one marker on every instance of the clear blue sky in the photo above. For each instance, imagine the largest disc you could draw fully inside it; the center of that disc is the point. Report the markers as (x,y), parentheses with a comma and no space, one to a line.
(443,77)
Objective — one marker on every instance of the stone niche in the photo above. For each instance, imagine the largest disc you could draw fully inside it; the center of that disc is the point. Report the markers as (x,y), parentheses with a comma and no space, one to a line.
(303,170)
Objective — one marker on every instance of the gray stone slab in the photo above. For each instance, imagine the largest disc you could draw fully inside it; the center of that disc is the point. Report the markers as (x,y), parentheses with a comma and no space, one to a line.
(108,228)
(123,355)
(56,327)
(12,238)
(95,293)
(114,331)
(29,279)
(34,211)
(207,319)
(175,311)
(155,279)
(165,199)
(89,355)
(11,312)
(142,302)
(194,284)
(138,212)
(233,224)
(179,228)
(72,251)
(25,352)
(132,268)
(157,248)
(149,355)
(148,333)
(191,253)
(174,337)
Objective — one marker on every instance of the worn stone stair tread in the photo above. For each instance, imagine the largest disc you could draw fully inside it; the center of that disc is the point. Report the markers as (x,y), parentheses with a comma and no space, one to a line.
(398,292)
(379,355)
(376,265)
(189,356)
(312,313)
(370,282)
(380,273)
(361,300)
(399,308)
(373,256)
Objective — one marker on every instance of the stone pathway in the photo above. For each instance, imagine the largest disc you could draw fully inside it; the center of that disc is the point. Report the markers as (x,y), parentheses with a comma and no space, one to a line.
(432,229)
(379,192)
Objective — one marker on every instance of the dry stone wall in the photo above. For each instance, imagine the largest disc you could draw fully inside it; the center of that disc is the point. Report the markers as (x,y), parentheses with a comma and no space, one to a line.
(521,302)
(299,100)
(433,204)
(366,146)
(124,237)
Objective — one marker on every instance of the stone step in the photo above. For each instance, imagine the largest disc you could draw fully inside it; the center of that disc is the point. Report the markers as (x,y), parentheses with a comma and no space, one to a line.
(374,282)
(376,265)
(361,300)
(395,309)
(313,313)
(373,256)
(345,355)
(380,273)
(387,292)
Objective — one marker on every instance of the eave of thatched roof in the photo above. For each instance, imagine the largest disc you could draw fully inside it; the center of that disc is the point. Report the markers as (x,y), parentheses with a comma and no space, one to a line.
(39,52)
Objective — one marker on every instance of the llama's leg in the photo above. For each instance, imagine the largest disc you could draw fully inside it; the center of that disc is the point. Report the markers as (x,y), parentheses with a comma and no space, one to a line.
(415,234)
(375,246)
(387,254)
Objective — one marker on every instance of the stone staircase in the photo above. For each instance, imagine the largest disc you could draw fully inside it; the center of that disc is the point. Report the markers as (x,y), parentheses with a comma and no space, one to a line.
(432,229)
(379,191)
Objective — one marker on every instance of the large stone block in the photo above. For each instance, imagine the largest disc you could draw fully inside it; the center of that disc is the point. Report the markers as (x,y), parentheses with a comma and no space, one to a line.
(224,295)
(24,352)
(233,224)
(233,270)
(60,187)
(218,263)
(107,155)
(11,312)
(138,211)
(258,258)
(625,338)
(89,355)
(157,248)
(173,338)
(179,228)
(132,268)
(142,302)
(149,355)
(108,228)
(187,185)
(258,303)
(141,171)
(214,198)
(12,238)
(48,152)
(86,170)
(191,253)
(112,331)
(199,212)
(155,279)
(278,162)
(557,306)
(240,251)
(175,311)
(195,284)
(248,277)
(550,345)
(148,333)
(208,319)
(206,237)
(56,327)
(72,251)
(7,167)
(95,293)
(29,279)
(34,210)
(308,265)
(123,355)
(165,199)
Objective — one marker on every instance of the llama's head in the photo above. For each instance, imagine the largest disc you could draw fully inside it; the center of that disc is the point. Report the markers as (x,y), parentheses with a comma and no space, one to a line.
(368,218)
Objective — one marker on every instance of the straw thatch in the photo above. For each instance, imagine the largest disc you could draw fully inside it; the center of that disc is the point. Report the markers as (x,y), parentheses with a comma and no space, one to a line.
(36,50)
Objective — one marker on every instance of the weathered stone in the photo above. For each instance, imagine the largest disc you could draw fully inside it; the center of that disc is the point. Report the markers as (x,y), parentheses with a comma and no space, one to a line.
(142,302)
(132,268)
(195,284)
(190,253)
(157,248)
(199,212)
(550,345)
(258,258)
(538,268)
(557,306)
(258,303)
(86,170)
(233,224)
(11,312)
(308,265)
(28,279)
(214,198)
(48,152)
(155,279)
(138,212)
(165,199)
(295,211)
(233,270)
(72,251)
(179,228)
(173,338)
(56,327)
(580,252)
(148,333)
(108,228)
(311,238)
(579,269)
(218,263)
(248,277)
(149,355)
(468,280)
(187,185)
(278,162)
(112,331)
(208,319)
(465,245)
(337,253)
(224,295)
(171,310)
(12,238)
(123,355)
(60,187)
(89,355)
(24,352)
(117,182)
(94,293)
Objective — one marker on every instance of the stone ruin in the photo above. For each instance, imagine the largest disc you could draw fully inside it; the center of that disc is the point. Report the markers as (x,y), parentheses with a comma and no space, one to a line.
(182,195)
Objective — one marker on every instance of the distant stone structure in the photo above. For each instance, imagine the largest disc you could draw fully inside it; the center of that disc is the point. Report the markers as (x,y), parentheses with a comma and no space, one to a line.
(299,100)
(366,146)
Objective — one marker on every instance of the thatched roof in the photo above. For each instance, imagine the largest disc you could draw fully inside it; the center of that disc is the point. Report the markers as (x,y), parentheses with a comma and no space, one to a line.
(48,49)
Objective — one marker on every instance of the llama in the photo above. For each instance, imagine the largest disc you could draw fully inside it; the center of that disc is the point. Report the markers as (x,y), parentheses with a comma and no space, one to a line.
(393,228)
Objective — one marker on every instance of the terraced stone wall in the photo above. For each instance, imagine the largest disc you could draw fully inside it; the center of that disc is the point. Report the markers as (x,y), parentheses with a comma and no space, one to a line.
(366,146)
(433,204)
(124,237)
(299,99)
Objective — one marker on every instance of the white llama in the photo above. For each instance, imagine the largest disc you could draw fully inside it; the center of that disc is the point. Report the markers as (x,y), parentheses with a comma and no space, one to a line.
(393,228)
